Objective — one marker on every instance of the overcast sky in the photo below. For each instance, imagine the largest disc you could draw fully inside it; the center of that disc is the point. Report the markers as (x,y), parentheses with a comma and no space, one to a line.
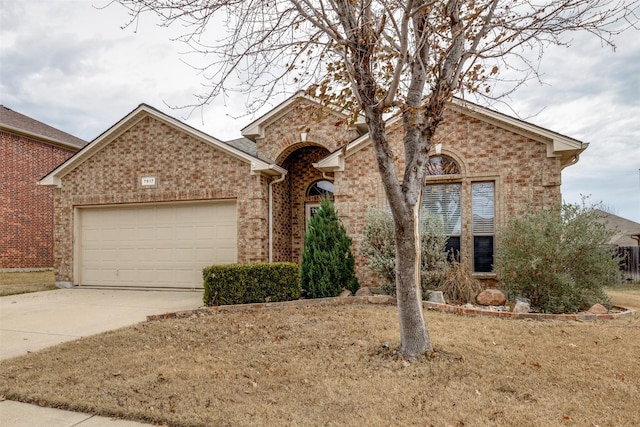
(69,64)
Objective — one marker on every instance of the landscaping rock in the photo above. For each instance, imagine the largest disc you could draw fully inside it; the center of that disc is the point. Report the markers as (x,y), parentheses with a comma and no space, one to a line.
(521,307)
(64,285)
(491,297)
(345,293)
(364,292)
(437,297)
(598,309)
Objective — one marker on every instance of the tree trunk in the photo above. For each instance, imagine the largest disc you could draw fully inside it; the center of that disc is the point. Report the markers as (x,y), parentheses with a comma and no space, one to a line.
(414,337)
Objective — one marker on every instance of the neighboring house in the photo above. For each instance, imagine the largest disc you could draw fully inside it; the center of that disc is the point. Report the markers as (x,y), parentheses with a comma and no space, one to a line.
(627,239)
(152,201)
(627,232)
(29,149)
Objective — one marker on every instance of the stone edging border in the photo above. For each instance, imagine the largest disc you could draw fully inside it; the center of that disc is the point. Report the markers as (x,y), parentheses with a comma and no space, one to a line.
(389,300)
(583,316)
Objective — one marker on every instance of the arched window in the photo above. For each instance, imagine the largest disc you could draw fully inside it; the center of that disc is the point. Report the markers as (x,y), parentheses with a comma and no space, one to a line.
(441,165)
(320,188)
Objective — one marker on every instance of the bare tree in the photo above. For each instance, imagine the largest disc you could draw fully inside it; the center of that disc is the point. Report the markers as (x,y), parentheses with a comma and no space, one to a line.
(377,57)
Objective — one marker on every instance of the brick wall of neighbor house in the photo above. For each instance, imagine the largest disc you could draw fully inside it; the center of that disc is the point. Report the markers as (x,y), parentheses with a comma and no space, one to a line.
(522,172)
(26,210)
(185,169)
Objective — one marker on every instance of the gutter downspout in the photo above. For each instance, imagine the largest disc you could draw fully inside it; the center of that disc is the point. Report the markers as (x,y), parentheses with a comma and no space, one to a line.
(275,181)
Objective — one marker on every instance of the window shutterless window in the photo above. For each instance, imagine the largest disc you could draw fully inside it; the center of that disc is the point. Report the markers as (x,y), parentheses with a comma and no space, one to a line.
(320,188)
(441,204)
(483,228)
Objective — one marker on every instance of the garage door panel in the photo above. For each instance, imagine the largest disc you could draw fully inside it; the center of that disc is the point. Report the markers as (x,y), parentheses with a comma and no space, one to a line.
(129,275)
(186,275)
(146,233)
(225,256)
(99,273)
(164,232)
(183,255)
(185,234)
(155,245)
(166,215)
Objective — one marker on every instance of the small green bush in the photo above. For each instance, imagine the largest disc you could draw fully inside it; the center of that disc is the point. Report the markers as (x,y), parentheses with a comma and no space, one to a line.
(378,247)
(327,260)
(251,283)
(558,258)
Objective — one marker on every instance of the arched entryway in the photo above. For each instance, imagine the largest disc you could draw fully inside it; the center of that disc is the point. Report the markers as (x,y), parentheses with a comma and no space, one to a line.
(296,198)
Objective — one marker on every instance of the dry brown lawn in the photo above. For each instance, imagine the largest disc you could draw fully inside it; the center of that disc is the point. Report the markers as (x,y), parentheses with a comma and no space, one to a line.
(21,283)
(329,366)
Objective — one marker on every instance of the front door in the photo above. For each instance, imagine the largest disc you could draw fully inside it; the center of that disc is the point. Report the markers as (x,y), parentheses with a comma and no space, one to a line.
(311,208)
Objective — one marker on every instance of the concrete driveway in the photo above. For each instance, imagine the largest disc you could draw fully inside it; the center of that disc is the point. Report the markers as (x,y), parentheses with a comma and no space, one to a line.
(31,322)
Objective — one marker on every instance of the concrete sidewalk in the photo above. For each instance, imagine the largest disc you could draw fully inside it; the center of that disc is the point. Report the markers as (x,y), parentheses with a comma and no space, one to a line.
(31,322)
(17,414)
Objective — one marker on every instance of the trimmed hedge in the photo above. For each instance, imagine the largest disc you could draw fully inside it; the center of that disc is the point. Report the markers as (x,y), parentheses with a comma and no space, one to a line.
(251,283)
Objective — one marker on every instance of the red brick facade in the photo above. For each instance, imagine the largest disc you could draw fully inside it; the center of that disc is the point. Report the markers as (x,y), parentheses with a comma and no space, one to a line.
(523,175)
(186,169)
(519,160)
(26,209)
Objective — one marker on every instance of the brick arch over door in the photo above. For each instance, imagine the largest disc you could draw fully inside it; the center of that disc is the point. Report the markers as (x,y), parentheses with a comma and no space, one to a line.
(290,199)
(290,149)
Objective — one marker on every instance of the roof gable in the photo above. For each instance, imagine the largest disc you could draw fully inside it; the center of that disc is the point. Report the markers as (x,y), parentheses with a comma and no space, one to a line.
(256,129)
(566,148)
(14,122)
(258,166)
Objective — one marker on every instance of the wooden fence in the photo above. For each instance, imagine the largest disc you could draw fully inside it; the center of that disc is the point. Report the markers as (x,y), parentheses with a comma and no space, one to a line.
(630,264)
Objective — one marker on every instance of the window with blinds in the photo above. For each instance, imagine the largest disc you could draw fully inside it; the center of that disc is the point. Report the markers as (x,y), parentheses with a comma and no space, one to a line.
(441,204)
(483,225)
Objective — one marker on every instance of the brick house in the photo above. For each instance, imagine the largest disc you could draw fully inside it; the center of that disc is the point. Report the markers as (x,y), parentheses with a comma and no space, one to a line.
(29,149)
(152,201)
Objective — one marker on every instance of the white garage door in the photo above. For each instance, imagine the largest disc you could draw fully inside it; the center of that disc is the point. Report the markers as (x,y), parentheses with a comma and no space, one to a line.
(162,245)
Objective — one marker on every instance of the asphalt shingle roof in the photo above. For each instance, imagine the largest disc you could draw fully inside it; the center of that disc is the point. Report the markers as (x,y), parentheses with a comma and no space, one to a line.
(15,121)
(245,145)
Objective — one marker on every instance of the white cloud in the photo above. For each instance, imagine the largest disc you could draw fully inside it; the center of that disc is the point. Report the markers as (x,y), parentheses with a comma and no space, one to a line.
(69,64)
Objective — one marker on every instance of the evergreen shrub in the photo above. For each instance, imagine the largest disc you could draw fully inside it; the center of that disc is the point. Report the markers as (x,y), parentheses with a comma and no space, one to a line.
(327,260)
